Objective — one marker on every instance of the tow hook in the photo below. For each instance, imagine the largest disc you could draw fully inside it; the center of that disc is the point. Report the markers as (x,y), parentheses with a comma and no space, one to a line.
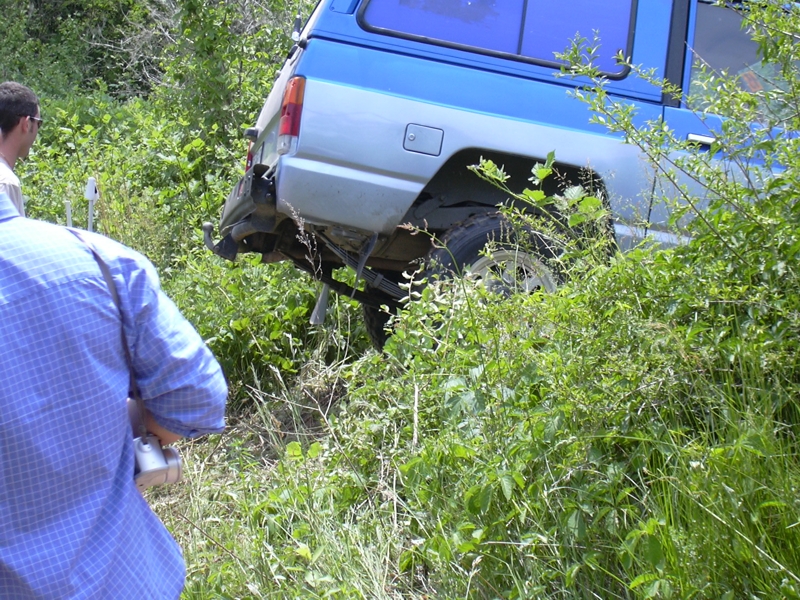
(208,229)
(227,248)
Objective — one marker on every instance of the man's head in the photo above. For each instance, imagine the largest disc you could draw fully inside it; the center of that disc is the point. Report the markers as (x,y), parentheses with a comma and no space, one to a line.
(19,119)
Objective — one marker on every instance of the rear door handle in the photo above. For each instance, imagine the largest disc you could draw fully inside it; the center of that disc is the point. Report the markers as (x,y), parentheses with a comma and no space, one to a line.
(703,140)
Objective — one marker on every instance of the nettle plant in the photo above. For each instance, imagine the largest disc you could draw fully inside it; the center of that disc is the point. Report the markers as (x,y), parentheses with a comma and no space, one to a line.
(663,389)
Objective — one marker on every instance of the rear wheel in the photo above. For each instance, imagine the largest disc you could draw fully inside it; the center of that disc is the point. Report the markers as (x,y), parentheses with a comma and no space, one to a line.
(506,258)
(375,320)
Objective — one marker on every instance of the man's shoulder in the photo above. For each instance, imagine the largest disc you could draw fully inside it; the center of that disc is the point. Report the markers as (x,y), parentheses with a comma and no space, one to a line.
(63,247)
(7,176)
(119,256)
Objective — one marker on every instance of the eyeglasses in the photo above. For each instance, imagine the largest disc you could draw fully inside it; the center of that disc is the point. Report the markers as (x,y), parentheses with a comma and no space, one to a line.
(38,120)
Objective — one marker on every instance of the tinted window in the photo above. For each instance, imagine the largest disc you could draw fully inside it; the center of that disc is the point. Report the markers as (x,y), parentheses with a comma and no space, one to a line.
(527,29)
(549,26)
(722,45)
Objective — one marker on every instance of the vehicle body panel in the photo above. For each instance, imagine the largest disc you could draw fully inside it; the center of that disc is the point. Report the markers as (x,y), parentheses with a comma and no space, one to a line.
(384,115)
(373,179)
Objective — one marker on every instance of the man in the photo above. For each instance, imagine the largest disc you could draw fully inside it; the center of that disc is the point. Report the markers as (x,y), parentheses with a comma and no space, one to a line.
(20,121)
(72,523)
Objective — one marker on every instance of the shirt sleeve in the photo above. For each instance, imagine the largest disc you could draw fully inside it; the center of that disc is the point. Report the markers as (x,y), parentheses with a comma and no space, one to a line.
(178,378)
(15,194)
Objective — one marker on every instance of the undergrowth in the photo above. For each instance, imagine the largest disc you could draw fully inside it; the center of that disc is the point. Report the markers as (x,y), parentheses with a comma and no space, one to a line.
(632,436)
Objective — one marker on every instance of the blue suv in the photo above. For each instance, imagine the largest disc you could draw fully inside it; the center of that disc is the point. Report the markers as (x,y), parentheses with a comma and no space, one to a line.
(381,106)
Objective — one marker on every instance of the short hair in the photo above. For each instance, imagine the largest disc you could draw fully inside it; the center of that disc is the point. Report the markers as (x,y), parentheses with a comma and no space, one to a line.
(16,101)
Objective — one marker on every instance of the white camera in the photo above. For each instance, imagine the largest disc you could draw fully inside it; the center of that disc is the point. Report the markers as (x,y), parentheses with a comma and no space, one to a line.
(154,465)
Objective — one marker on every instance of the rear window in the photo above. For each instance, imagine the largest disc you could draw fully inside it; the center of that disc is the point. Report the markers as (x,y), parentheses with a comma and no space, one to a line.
(528,30)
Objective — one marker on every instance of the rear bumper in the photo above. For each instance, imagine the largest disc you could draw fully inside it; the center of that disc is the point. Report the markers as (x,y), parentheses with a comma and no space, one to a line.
(249,209)
(253,196)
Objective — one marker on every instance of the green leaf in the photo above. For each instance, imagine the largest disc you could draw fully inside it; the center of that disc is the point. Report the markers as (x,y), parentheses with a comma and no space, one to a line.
(576,219)
(643,579)
(479,498)
(461,451)
(507,485)
(576,524)
(314,450)
(303,551)
(465,547)
(294,450)
(589,205)
(571,574)
(535,196)
(655,553)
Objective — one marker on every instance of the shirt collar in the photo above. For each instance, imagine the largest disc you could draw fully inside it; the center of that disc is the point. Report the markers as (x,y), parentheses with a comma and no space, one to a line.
(7,208)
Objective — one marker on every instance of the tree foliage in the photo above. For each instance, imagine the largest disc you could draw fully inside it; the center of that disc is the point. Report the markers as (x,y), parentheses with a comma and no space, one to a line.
(152,105)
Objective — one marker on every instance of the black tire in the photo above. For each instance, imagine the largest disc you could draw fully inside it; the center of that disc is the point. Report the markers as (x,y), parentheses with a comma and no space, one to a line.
(507,258)
(375,320)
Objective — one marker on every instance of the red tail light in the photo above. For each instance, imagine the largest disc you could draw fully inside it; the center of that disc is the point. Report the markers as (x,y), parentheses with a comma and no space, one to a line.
(249,161)
(291,109)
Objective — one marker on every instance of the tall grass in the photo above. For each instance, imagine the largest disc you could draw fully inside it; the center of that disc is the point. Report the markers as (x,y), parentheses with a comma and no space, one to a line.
(587,444)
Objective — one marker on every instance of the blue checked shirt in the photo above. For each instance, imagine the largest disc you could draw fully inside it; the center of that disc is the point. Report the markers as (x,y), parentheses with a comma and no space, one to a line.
(72,524)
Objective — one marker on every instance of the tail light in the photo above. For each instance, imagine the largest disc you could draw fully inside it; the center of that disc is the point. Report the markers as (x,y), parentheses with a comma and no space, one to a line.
(251,134)
(291,109)
(249,160)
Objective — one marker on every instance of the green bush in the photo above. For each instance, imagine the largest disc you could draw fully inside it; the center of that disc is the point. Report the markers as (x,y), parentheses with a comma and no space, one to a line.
(255,319)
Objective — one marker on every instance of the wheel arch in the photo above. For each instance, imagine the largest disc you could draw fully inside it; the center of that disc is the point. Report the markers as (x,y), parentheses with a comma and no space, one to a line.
(455,193)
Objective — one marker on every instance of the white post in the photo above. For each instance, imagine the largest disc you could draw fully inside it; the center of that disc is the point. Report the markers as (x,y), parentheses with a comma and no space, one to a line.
(68,205)
(91,194)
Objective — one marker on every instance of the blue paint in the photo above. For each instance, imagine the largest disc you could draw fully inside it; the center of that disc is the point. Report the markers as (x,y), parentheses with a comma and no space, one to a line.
(445,84)
(649,46)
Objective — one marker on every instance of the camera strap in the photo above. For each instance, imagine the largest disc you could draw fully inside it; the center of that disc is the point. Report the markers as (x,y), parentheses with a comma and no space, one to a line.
(133,388)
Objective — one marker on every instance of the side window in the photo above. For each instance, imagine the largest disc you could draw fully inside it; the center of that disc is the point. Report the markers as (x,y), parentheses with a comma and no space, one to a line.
(486,24)
(529,30)
(721,44)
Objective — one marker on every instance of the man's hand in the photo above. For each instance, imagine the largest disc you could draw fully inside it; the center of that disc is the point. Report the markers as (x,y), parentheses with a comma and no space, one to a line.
(165,437)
